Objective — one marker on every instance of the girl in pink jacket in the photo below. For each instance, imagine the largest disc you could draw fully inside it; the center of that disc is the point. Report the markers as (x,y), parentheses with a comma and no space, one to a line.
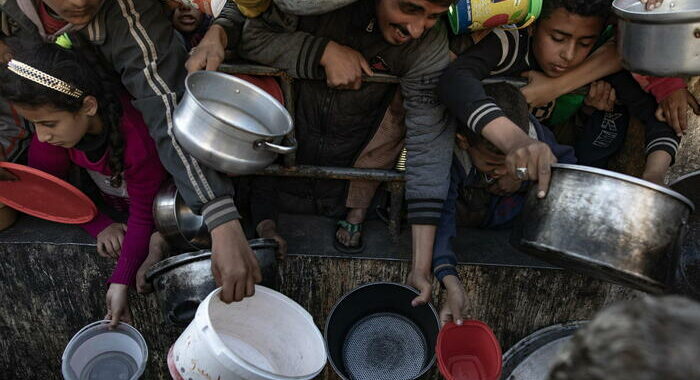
(79,121)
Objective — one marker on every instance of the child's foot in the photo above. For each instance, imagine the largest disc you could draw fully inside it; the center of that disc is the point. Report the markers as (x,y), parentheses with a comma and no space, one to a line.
(157,249)
(348,236)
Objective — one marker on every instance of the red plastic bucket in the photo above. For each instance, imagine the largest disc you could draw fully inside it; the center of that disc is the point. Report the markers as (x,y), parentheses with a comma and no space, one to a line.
(468,352)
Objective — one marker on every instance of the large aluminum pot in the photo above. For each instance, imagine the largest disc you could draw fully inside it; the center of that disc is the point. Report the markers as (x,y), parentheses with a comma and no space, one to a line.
(661,42)
(181,282)
(230,124)
(310,7)
(609,225)
(181,228)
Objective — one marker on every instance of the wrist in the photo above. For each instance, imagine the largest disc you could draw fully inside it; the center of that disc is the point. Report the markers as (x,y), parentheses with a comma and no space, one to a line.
(217,33)
(451,281)
(231,226)
(327,52)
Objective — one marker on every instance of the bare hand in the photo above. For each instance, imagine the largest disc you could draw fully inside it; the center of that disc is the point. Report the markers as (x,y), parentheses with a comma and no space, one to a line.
(344,66)
(651,4)
(118,304)
(540,90)
(421,281)
(233,263)
(601,96)
(674,110)
(537,157)
(453,307)
(209,54)
(157,249)
(267,229)
(109,241)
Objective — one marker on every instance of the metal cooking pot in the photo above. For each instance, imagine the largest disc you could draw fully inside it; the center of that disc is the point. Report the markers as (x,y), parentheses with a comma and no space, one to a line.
(373,332)
(687,275)
(532,357)
(230,124)
(182,282)
(181,228)
(661,42)
(609,225)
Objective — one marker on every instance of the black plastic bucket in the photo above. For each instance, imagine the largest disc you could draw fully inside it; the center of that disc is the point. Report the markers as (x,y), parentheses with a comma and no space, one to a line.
(373,332)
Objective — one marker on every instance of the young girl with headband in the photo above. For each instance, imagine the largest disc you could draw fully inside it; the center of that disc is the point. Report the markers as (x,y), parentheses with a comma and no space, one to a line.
(80,121)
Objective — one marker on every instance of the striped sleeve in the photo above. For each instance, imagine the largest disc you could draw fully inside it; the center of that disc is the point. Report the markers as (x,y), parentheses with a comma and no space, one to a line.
(658,135)
(460,88)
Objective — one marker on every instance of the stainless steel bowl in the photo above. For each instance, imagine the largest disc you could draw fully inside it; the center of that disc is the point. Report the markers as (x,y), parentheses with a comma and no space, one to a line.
(662,42)
(180,227)
(609,225)
(182,282)
(230,124)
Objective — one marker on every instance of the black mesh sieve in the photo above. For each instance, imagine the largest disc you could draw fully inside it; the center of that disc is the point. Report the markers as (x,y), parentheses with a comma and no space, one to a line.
(384,346)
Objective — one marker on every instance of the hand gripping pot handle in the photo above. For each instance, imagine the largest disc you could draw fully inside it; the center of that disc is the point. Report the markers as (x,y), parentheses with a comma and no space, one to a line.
(270,147)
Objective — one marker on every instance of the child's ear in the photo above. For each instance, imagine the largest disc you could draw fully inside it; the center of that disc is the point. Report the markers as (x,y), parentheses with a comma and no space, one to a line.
(89,106)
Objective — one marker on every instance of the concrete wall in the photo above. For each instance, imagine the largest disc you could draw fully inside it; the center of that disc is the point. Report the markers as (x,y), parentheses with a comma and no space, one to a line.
(50,291)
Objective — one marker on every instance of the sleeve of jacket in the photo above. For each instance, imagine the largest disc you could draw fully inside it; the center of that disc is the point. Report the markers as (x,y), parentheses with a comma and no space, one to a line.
(143,49)
(143,175)
(659,135)
(231,19)
(273,39)
(429,131)
(460,88)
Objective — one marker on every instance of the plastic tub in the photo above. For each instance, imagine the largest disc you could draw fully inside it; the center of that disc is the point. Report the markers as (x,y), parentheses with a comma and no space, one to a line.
(264,337)
(95,352)
(468,352)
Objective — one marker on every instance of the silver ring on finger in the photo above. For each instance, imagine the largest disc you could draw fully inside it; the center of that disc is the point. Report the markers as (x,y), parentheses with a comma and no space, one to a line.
(521,173)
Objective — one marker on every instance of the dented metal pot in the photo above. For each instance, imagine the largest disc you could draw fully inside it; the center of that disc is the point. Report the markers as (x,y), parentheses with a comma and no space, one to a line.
(181,282)
(608,225)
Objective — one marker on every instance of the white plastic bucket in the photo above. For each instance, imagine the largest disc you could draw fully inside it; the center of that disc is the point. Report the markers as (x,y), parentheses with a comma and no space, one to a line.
(264,337)
(95,352)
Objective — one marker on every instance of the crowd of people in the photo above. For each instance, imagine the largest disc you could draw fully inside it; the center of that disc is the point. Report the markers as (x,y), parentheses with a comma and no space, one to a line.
(97,81)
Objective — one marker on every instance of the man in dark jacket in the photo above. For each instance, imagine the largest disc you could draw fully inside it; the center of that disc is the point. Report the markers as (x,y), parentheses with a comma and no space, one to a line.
(330,53)
(135,40)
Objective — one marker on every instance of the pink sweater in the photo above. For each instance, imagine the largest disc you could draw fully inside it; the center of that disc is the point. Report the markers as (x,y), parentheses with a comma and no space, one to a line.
(143,175)
(660,87)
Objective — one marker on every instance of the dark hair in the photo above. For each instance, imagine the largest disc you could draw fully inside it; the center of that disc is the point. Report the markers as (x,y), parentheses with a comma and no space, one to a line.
(74,68)
(585,8)
(512,102)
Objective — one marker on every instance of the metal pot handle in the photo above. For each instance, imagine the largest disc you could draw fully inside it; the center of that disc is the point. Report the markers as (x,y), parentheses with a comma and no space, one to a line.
(270,147)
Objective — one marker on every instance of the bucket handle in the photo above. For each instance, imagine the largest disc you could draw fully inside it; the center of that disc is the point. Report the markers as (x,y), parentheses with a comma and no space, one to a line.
(274,148)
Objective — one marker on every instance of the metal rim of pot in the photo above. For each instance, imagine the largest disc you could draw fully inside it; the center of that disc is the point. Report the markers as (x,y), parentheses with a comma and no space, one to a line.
(430,363)
(185,258)
(176,261)
(628,178)
(531,343)
(633,10)
(192,76)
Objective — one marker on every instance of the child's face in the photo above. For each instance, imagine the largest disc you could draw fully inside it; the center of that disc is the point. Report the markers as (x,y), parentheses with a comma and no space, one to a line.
(56,127)
(76,12)
(187,19)
(563,40)
(485,160)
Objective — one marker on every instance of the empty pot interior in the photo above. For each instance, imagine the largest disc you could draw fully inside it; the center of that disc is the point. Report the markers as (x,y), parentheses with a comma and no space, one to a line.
(367,318)
(269,332)
(239,104)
